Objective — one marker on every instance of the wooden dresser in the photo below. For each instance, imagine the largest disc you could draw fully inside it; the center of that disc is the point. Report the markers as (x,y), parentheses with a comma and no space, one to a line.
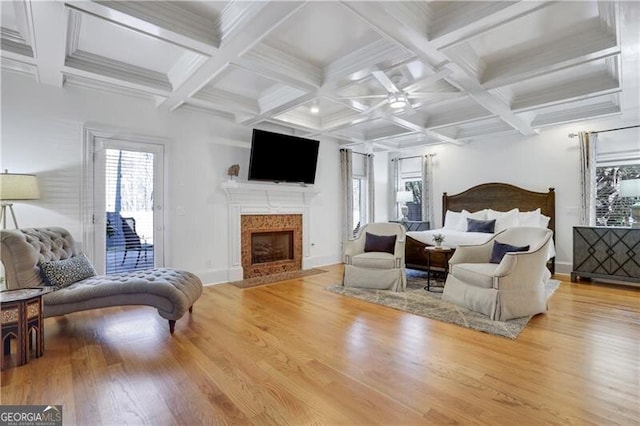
(605,252)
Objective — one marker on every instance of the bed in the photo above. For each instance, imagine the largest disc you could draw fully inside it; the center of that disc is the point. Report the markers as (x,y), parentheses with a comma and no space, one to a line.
(501,197)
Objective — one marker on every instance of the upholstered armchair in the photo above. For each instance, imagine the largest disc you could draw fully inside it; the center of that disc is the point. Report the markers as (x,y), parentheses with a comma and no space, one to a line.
(504,277)
(375,258)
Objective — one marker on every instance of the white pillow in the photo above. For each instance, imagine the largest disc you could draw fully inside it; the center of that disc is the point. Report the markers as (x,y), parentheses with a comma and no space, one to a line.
(464,215)
(544,221)
(504,220)
(451,220)
(531,218)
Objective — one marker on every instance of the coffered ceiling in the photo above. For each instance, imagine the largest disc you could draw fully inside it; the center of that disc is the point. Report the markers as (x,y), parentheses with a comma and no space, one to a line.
(463,69)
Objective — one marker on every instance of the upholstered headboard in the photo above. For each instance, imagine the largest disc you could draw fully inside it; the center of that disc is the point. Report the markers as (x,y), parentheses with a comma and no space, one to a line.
(21,250)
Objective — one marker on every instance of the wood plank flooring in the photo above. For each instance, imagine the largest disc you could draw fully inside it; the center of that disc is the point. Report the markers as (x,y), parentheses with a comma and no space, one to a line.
(293,353)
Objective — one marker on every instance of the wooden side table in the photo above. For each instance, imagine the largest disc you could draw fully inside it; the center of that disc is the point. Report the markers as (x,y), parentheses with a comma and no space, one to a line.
(432,252)
(21,319)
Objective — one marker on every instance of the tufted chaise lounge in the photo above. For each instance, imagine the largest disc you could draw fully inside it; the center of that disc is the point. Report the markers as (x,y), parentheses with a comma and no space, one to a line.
(171,291)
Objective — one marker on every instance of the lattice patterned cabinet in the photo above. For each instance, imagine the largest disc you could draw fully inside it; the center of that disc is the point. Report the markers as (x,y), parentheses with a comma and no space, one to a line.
(612,253)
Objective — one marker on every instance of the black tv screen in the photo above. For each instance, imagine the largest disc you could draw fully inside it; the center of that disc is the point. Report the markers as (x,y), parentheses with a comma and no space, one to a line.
(282,158)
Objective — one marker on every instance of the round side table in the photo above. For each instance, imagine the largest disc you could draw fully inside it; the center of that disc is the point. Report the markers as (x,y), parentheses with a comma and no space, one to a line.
(21,319)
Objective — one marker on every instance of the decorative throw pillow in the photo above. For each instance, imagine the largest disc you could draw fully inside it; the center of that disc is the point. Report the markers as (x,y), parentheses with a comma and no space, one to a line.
(63,273)
(451,220)
(383,243)
(500,249)
(486,226)
(504,220)
(531,218)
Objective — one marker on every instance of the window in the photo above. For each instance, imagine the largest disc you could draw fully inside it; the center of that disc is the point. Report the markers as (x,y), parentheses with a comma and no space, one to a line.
(611,208)
(410,179)
(359,200)
(617,159)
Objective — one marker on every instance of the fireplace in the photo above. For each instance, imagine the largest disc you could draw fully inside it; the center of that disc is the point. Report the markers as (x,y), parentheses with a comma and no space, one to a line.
(270,244)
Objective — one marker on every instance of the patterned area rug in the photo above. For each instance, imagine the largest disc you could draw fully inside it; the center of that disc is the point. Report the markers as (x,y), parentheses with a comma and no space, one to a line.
(284,276)
(417,300)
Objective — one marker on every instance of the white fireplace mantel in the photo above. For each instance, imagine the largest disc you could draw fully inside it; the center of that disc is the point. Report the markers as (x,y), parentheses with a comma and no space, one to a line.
(265,198)
(268,194)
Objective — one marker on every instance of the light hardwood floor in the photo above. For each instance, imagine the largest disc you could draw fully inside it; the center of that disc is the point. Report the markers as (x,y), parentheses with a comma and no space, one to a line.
(293,353)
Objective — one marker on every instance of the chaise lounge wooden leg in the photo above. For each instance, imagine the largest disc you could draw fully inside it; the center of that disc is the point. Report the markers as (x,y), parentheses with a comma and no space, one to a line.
(172,326)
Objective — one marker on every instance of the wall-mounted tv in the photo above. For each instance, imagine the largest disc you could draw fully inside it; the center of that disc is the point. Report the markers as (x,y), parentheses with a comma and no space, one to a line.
(282,158)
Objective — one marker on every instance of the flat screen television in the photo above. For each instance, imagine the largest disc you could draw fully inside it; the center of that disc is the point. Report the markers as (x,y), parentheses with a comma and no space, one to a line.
(282,158)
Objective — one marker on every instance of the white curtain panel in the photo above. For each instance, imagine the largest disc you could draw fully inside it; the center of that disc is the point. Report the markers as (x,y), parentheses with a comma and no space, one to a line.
(394,178)
(371,211)
(588,142)
(346,168)
(427,190)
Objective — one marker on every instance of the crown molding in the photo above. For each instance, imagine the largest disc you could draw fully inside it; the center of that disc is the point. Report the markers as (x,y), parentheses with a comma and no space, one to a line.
(601,109)
(72,80)
(170,16)
(9,45)
(18,66)
(276,59)
(117,70)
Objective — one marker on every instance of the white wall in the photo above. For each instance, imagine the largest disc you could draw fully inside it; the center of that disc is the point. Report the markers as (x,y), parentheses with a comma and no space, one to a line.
(42,134)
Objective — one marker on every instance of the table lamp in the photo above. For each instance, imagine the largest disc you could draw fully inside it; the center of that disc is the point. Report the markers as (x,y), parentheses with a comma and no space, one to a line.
(402,198)
(14,187)
(631,188)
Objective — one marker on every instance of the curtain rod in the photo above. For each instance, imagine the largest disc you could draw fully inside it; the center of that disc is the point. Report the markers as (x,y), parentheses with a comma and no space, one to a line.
(415,156)
(573,135)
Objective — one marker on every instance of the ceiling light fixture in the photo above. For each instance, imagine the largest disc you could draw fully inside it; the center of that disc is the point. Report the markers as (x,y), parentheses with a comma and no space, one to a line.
(397,100)
(314,108)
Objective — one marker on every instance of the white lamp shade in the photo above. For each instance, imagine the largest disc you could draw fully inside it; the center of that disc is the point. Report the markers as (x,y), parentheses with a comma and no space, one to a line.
(15,186)
(629,188)
(404,196)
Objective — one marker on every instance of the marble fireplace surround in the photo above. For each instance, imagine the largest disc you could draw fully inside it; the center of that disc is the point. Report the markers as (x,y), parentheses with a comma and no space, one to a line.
(253,198)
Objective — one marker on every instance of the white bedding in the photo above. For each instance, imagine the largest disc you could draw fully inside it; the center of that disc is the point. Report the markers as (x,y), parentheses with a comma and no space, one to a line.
(453,238)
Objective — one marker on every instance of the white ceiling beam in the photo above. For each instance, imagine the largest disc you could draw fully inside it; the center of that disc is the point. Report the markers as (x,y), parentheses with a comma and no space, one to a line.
(260,22)
(160,20)
(49,44)
(378,16)
(473,23)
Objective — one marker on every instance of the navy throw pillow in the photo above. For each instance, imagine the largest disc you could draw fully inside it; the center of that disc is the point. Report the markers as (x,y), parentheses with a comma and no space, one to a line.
(476,225)
(500,249)
(384,243)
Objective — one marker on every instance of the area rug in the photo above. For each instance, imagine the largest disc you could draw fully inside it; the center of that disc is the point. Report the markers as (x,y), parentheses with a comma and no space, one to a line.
(418,301)
(268,279)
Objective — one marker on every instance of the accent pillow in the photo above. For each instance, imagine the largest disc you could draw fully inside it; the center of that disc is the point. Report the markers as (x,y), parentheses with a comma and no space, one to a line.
(544,221)
(63,273)
(383,243)
(504,220)
(451,220)
(464,215)
(531,218)
(486,226)
(500,249)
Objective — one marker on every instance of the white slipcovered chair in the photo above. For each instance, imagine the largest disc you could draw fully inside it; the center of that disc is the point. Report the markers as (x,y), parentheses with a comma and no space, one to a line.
(376,260)
(512,288)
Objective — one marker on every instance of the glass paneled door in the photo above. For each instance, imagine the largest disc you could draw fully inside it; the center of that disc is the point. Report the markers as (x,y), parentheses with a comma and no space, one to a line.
(128,202)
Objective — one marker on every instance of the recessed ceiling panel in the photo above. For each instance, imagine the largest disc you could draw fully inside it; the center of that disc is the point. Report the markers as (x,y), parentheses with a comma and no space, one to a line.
(121,44)
(8,17)
(550,23)
(321,33)
(242,82)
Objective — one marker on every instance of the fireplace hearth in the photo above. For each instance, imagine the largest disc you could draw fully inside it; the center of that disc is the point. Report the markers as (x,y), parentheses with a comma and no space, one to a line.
(270,244)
